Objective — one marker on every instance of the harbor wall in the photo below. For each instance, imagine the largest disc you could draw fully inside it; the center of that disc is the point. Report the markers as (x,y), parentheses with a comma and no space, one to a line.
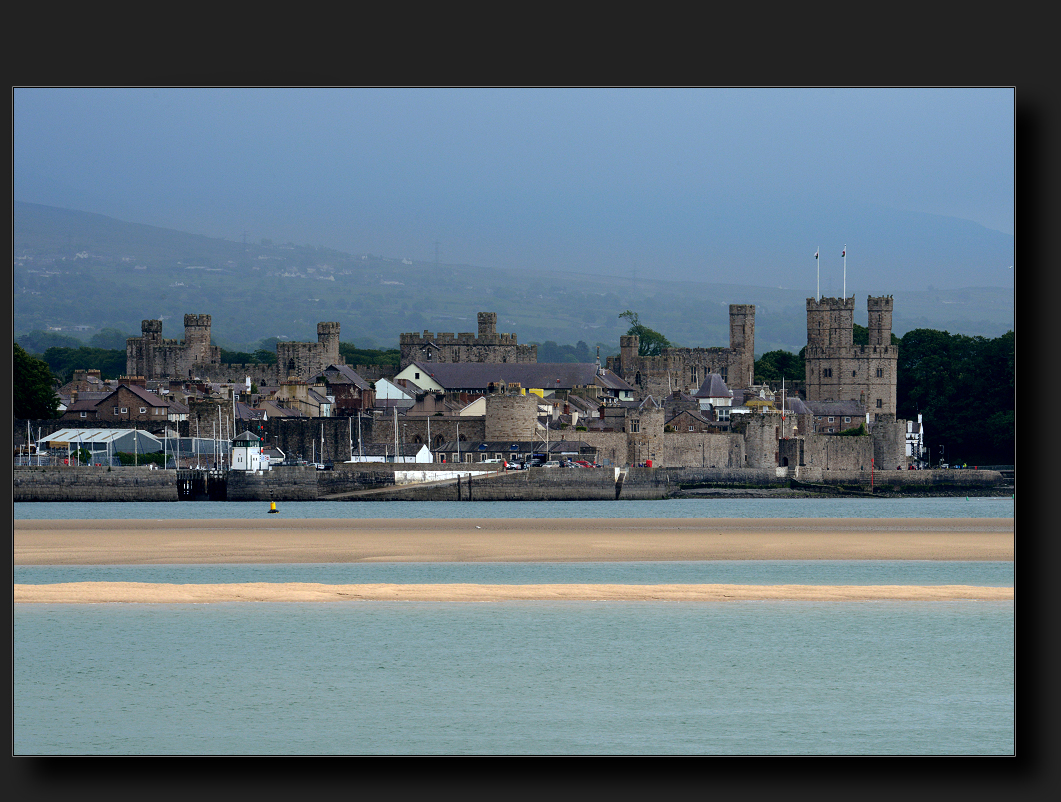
(65,483)
(385,481)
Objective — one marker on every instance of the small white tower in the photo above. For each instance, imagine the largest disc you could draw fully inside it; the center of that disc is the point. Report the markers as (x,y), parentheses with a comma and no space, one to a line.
(247,452)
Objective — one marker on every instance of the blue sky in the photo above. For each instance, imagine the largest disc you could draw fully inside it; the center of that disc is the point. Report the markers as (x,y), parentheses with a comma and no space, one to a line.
(673,182)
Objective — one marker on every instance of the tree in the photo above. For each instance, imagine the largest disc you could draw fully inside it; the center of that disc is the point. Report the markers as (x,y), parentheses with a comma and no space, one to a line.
(776,365)
(964,389)
(64,361)
(652,342)
(110,339)
(39,341)
(33,387)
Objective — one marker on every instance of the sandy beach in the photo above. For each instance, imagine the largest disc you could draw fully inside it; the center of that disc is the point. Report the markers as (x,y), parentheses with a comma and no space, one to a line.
(158,593)
(275,540)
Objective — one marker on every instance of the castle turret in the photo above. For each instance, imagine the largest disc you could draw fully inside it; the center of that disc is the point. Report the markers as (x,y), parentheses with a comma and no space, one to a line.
(742,341)
(880,320)
(487,326)
(151,330)
(629,345)
(197,337)
(328,336)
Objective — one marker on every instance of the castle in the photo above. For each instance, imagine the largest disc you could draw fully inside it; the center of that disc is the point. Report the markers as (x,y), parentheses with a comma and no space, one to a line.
(488,346)
(837,369)
(686,369)
(151,357)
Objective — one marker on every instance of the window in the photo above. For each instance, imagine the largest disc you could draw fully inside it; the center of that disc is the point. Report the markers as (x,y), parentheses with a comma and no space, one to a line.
(852,373)
(143,410)
(880,373)
(125,410)
(880,403)
(827,373)
(831,420)
(416,375)
(847,419)
(84,414)
(635,426)
(116,410)
(831,429)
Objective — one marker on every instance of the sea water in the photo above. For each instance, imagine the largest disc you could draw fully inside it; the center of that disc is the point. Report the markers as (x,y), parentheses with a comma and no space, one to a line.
(756,677)
(950,507)
(515,677)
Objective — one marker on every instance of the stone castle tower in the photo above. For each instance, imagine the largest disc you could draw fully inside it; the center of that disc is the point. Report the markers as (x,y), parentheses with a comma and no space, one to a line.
(306,361)
(686,369)
(152,357)
(486,346)
(839,370)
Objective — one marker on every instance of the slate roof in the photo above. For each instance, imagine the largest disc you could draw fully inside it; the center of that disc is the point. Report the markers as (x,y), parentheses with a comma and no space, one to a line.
(147,397)
(796,406)
(611,381)
(344,374)
(713,387)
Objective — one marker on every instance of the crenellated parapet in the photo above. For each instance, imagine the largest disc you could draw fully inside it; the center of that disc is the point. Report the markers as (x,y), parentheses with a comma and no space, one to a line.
(485,346)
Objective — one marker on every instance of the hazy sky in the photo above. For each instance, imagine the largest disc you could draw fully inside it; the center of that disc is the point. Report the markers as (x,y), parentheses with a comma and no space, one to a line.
(549,178)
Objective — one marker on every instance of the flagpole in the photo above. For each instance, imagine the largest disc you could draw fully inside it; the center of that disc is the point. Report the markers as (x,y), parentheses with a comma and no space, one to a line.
(845,270)
(818,267)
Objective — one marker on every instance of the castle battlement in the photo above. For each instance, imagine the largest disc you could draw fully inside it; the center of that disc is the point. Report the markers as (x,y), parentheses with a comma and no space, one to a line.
(485,346)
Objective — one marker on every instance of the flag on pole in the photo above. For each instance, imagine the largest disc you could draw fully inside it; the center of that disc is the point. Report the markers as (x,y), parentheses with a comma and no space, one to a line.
(815,254)
(844,253)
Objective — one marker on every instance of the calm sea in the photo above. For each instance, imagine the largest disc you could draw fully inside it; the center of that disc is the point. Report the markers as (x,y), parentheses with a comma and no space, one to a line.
(521,677)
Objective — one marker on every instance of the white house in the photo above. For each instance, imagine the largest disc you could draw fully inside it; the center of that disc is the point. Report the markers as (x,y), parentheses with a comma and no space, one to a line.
(247,453)
(915,439)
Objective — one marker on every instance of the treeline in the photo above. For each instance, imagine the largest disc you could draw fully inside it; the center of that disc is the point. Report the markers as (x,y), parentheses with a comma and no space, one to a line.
(549,351)
(964,388)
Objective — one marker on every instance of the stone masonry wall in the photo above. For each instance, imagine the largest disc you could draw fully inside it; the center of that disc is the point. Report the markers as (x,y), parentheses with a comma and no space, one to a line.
(681,449)
(93,484)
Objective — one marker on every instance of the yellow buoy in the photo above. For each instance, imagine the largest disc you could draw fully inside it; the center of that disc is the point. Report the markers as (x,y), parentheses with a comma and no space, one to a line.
(272,507)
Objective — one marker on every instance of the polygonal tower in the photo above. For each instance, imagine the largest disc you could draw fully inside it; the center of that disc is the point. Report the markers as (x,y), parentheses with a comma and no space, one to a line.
(328,337)
(742,341)
(197,338)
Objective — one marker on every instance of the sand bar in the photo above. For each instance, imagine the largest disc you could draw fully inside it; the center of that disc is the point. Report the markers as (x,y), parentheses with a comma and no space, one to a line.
(273,539)
(159,593)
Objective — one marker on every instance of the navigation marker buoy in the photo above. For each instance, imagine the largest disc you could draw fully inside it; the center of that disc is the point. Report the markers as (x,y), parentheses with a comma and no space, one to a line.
(272,507)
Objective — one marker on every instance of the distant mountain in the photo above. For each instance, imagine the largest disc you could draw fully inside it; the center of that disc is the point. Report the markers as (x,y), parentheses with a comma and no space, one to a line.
(77,269)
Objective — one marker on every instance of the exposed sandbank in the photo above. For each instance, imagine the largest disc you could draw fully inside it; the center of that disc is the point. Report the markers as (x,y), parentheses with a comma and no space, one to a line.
(159,593)
(275,540)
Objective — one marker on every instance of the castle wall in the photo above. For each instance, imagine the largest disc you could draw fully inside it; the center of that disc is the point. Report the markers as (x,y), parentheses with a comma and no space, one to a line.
(486,346)
(153,357)
(686,368)
(307,361)
(889,443)
(703,450)
(832,453)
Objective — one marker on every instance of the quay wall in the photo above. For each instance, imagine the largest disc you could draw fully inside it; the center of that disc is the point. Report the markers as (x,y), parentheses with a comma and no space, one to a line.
(65,483)
(378,482)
